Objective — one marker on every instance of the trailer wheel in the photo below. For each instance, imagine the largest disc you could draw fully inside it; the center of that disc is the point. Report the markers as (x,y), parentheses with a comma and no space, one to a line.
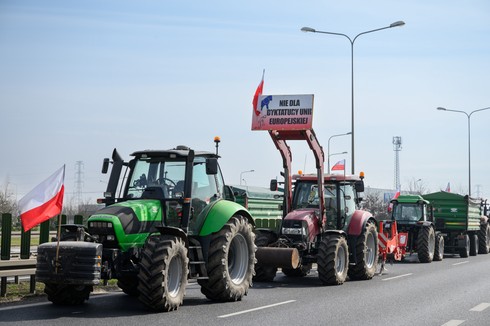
(474,244)
(484,239)
(426,243)
(464,251)
(439,250)
(231,259)
(264,273)
(366,251)
(301,271)
(163,273)
(67,294)
(333,260)
(128,285)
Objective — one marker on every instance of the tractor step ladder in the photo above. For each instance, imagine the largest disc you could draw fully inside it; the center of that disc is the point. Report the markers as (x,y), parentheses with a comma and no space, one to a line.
(197,264)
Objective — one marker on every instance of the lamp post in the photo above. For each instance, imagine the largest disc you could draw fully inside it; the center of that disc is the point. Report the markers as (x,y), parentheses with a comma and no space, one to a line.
(352,40)
(328,148)
(328,165)
(241,173)
(468,115)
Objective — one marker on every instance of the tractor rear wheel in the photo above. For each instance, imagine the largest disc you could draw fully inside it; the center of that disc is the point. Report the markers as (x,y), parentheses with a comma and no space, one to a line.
(301,271)
(264,273)
(484,239)
(439,249)
(231,259)
(474,244)
(333,260)
(426,244)
(67,294)
(163,273)
(366,254)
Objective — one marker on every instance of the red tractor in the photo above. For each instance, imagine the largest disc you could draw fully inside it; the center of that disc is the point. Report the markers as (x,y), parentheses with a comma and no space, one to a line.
(322,223)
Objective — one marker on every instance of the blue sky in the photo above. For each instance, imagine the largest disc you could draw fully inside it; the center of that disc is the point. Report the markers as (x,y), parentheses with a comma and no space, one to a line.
(79,78)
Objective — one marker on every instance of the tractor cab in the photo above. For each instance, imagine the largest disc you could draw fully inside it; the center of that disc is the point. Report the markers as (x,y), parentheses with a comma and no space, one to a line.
(410,210)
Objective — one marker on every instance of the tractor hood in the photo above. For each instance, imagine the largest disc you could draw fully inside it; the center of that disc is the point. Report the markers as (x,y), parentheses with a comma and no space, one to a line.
(134,216)
(308,215)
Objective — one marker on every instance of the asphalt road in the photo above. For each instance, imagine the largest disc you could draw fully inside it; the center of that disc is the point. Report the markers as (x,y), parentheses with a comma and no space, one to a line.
(452,292)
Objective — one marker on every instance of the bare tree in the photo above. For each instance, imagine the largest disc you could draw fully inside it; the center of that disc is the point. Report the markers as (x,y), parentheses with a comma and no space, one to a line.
(418,187)
(373,202)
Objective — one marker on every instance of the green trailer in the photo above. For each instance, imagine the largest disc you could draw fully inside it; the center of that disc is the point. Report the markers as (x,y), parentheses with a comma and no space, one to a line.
(263,204)
(460,219)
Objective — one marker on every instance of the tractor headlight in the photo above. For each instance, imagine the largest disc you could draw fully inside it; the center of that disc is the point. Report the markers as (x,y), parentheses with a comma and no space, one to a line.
(294,231)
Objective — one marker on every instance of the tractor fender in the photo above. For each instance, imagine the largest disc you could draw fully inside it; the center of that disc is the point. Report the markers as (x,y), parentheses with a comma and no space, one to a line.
(170,230)
(358,222)
(220,213)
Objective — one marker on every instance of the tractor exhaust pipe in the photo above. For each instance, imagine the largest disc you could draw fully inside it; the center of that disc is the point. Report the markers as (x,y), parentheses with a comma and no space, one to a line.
(278,257)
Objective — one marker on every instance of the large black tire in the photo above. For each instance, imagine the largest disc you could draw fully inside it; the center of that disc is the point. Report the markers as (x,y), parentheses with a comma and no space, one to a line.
(484,239)
(474,244)
(301,271)
(366,251)
(439,249)
(163,273)
(333,260)
(264,273)
(67,294)
(128,285)
(426,244)
(464,251)
(231,259)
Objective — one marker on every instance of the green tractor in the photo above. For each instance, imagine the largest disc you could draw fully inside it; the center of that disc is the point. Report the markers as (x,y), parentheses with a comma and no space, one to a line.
(414,216)
(172,220)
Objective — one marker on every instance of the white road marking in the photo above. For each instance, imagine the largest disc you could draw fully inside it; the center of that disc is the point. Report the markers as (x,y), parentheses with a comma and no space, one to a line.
(395,277)
(461,263)
(481,307)
(453,322)
(255,309)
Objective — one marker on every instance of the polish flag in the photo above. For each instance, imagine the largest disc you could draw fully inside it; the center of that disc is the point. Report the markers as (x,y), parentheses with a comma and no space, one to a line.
(340,165)
(257,94)
(448,188)
(44,201)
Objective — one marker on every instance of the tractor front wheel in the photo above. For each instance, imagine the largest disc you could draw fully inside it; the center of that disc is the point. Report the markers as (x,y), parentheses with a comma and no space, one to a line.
(231,259)
(264,273)
(333,260)
(366,254)
(426,244)
(67,294)
(163,273)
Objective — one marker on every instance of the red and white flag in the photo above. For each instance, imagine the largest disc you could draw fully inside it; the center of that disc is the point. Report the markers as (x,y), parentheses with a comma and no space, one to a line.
(340,165)
(257,94)
(448,188)
(44,201)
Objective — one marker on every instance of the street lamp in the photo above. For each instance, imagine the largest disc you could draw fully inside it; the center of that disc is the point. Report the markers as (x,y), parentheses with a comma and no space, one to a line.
(328,165)
(328,148)
(468,115)
(352,40)
(241,173)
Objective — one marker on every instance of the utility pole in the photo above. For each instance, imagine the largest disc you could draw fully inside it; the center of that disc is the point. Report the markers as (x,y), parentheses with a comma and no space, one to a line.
(397,147)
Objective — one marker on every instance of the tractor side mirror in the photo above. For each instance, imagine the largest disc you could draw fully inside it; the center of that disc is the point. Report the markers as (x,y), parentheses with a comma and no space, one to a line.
(359,185)
(273,185)
(105,166)
(212,165)
(230,194)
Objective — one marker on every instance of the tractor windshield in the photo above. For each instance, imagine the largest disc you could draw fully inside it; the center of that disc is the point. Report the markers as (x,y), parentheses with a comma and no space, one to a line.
(407,212)
(306,196)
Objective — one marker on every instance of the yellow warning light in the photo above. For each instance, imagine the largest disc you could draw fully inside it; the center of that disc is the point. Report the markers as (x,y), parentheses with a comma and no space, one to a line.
(217,139)
(300,172)
(361,175)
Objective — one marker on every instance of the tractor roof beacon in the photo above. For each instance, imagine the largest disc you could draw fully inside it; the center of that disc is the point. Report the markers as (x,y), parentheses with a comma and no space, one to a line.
(168,218)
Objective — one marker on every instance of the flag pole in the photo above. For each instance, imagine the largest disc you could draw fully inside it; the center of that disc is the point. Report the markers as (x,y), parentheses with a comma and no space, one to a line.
(58,236)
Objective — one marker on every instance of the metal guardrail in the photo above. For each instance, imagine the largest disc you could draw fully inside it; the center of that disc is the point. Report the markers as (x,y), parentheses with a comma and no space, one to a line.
(16,268)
